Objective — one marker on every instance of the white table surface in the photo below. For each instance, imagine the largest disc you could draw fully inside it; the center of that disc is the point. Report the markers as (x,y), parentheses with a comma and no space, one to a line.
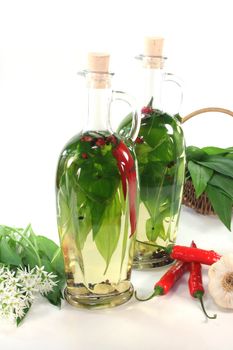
(174,321)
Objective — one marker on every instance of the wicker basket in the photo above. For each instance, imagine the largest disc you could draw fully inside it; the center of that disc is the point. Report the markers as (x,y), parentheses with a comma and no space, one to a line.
(202,204)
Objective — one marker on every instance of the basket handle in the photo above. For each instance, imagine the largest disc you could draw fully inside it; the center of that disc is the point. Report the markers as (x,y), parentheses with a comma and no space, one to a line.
(206,110)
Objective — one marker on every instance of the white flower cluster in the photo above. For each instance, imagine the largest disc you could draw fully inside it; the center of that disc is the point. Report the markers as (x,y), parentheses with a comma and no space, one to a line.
(18,289)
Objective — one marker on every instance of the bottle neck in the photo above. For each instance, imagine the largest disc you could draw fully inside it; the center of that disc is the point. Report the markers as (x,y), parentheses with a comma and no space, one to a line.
(98,109)
(152,80)
(152,76)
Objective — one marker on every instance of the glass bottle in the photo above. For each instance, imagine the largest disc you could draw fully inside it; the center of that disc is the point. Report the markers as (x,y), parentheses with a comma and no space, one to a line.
(97,189)
(161,161)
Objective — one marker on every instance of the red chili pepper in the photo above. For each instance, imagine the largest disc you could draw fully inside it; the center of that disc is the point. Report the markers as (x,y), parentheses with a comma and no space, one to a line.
(168,279)
(126,166)
(100,142)
(139,140)
(84,155)
(147,110)
(87,138)
(190,254)
(112,139)
(196,288)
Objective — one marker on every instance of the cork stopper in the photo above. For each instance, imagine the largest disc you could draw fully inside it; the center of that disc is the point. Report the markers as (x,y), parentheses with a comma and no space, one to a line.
(153,46)
(98,64)
(153,49)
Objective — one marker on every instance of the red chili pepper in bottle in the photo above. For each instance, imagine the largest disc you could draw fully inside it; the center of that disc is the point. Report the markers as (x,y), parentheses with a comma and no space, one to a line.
(126,166)
(190,254)
(112,139)
(86,138)
(168,280)
(196,288)
(147,110)
(139,140)
(100,142)
(84,155)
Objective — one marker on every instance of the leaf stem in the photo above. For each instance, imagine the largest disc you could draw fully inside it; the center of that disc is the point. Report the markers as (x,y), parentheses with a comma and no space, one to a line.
(151,244)
(23,235)
(56,254)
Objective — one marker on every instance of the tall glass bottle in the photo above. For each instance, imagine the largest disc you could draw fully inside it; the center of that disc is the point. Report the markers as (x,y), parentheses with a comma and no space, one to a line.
(97,200)
(161,155)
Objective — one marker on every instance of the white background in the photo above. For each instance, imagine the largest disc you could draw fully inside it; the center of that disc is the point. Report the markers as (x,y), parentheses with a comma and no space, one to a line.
(42,46)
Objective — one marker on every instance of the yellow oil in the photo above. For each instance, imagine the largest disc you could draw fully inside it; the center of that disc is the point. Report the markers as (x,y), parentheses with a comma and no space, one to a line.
(89,280)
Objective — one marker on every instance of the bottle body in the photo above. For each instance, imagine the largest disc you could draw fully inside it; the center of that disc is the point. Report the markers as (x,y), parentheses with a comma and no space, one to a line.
(96,214)
(160,154)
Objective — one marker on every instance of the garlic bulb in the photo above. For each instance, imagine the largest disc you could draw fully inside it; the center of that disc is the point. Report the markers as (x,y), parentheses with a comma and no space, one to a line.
(221,281)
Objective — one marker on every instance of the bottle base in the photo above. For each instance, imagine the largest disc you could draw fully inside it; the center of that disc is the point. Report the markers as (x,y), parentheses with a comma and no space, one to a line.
(98,301)
(145,262)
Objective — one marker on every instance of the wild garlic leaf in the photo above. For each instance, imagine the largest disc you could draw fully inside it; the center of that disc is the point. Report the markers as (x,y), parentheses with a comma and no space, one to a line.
(154,229)
(28,257)
(19,320)
(46,247)
(217,150)
(223,182)
(22,247)
(97,215)
(194,153)
(220,164)
(126,224)
(229,156)
(151,184)
(56,296)
(108,234)
(8,255)
(200,176)
(57,262)
(178,117)
(221,203)
(80,219)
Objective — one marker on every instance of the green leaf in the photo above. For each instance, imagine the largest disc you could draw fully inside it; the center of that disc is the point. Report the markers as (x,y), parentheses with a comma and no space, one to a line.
(28,257)
(163,152)
(143,150)
(223,182)
(219,164)
(97,216)
(151,185)
(8,255)
(51,255)
(200,176)
(83,224)
(229,156)
(221,203)
(57,262)
(194,153)
(55,296)
(46,247)
(19,320)
(217,150)
(154,137)
(154,229)
(108,234)
(150,103)
(178,117)
(124,204)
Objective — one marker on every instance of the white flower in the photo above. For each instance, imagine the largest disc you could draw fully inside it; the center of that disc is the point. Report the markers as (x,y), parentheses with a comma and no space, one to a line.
(47,282)
(221,281)
(18,289)
(39,270)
